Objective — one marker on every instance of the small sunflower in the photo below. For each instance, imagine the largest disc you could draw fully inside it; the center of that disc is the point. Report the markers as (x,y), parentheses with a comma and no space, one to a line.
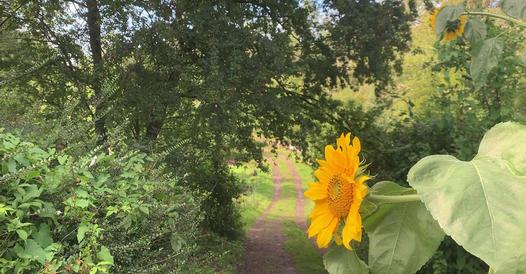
(454,29)
(433,18)
(338,194)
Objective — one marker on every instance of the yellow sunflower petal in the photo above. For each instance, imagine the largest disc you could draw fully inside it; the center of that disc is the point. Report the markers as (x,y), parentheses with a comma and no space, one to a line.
(356,145)
(432,18)
(323,175)
(361,188)
(321,207)
(448,36)
(325,236)
(335,158)
(330,154)
(316,191)
(357,231)
(352,228)
(328,164)
(343,142)
(319,223)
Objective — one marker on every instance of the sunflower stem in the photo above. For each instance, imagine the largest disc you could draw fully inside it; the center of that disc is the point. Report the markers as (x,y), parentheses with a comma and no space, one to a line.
(503,17)
(393,199)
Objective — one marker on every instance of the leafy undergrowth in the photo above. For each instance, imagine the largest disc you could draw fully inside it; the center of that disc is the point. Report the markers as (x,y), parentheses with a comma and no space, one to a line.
(95,213)
(215,255)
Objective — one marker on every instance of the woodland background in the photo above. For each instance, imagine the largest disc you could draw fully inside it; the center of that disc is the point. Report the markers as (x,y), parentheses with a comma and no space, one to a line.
(122,120)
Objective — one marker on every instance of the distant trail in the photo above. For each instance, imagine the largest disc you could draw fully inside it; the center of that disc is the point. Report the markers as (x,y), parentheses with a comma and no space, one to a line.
(300,199)
(265,240)
(301,219)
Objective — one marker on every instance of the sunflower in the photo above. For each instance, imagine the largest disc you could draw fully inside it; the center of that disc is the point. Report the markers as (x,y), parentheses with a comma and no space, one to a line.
(433,18)
(453,30)
(338,194)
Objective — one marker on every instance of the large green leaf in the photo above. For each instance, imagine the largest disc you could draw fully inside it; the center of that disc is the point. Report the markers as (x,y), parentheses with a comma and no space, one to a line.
(402,236)
(475,30)
(81,232)
(105,257)
(506,141)
(31,250)
(43,236)
(485,59)
(339,260)
(514,8)
(447,15)
(367,208)
(481,204)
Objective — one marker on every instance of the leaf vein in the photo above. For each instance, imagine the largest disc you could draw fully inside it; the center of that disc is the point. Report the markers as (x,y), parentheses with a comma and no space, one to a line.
(397,237)
(490,213)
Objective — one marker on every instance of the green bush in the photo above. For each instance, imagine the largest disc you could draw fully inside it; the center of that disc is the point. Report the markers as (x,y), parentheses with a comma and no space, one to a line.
(91,214)
(219,189)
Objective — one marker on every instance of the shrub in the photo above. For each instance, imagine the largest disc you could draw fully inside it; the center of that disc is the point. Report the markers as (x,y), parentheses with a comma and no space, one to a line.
(90,214)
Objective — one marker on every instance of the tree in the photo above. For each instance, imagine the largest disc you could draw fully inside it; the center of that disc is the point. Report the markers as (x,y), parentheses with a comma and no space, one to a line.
(209,74)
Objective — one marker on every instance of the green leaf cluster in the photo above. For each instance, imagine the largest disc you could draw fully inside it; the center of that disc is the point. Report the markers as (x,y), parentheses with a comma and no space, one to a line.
(95,214)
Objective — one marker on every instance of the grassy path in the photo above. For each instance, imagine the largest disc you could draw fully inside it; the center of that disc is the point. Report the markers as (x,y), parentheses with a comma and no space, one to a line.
(276,240)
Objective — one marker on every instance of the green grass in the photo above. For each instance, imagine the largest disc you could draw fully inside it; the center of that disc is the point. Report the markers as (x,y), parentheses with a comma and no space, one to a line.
(260,190)
(306,258)
(307,176)
(285,208)
(215,255)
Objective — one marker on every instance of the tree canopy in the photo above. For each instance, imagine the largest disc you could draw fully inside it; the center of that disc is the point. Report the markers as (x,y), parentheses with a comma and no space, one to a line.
(211,74)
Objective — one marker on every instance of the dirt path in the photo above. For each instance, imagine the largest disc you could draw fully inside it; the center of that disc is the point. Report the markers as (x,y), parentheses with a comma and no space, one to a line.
(265,251)
(301,218)
(300,202)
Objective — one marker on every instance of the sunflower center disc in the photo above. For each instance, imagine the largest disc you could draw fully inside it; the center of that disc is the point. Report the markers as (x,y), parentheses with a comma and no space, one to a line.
(453,26)
(340,195)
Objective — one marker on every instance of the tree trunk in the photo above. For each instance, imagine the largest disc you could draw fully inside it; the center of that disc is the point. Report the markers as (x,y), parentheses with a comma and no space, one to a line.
(94,30)
(155,123)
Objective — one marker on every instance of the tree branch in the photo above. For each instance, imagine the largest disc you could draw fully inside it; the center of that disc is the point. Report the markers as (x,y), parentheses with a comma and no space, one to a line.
(13,13)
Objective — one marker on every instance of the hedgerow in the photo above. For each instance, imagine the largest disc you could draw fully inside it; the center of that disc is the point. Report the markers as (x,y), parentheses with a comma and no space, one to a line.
(91,214)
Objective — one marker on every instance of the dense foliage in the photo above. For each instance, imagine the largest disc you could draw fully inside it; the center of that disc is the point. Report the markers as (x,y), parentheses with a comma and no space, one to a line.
(120,117)
(87,214)
(191,84)
(210,74)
